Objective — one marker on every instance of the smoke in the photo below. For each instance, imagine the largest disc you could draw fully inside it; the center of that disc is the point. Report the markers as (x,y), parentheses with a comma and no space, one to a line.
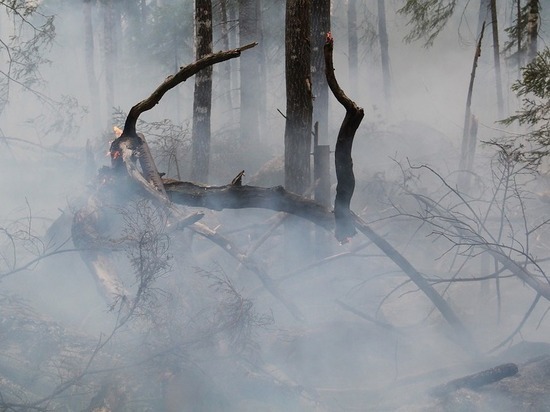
(204,327)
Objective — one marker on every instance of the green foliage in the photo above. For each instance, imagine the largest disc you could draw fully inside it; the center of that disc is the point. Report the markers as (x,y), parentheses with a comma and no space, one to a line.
(534,90)
(518,31)
(427,18)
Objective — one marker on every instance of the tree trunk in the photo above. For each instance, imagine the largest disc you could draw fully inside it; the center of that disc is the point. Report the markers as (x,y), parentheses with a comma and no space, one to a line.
(225,68)
(352,44)
(384,51)
(484,10)
(532,29)
(109,58)
(496,58)
(90,64)
(298,96)
(464,178)
(249,11)
(202,99)
(320,26)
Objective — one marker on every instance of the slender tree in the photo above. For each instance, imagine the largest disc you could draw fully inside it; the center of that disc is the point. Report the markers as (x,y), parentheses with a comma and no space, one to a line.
(352,44)
(249,31)
(384,49)
(496,58)
(320,26)
(109,56)
(225,67)
(298,96)
(90,61)
(533,28)
(202,99)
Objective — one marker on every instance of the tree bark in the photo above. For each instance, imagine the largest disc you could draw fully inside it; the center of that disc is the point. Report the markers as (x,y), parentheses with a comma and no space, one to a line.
(109,57)
(202,101)
(352,44)
(90,63)
(298,96)
(384,51)
(463,180)
(320,25)
(496,59)
(532,29)
(345,187)
(249,31)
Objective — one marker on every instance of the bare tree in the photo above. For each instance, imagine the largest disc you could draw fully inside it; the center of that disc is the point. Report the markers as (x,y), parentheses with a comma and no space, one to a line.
(202,101)
(298,96)
(249,31)
(320,26)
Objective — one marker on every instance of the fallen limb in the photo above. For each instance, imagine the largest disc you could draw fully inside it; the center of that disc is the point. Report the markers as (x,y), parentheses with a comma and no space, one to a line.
(240,197)
(476,380)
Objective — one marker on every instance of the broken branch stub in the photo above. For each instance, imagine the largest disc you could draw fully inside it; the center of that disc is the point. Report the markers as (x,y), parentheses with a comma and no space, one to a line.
(344,225)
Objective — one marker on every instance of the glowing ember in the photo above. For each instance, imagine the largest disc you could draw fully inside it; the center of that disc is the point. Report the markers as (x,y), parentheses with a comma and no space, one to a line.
(117,130)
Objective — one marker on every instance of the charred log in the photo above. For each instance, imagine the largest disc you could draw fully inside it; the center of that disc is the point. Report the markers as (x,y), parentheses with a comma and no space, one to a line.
(477,380)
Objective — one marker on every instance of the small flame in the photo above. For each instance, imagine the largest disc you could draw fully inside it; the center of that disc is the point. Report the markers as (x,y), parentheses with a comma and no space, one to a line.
(117,130)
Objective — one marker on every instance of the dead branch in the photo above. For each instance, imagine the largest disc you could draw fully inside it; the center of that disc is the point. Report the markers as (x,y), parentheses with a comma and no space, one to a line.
(344,164)
(477,380)
(240,197)
(173,80)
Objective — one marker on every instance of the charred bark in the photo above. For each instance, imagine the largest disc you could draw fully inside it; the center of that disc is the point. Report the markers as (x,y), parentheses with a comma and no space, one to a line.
(299,104)
(202,101)
(345,227)
(477,380)
(320,25)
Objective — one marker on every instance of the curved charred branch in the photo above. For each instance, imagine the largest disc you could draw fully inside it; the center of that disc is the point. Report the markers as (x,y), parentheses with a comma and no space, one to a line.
(173,80)
(344,163)
(240,197)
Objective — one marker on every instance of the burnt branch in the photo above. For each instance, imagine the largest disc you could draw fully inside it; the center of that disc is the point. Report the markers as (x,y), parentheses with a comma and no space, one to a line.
(477,380)
(241,197)
(344,164)
(173,80)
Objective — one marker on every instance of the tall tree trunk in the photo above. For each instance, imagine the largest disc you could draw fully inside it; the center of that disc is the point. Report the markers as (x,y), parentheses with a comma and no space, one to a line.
(532,29)
(484,15)
(249,11)
(225,67)
(109,56)
(384,51)
(320,26)
(90,65)
(496,58)
(299,108)
(298,96)
(518,38)
(352,44)
(464,177)
(202,99)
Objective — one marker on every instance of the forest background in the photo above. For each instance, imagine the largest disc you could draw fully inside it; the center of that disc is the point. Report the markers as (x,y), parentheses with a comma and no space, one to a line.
(451,200)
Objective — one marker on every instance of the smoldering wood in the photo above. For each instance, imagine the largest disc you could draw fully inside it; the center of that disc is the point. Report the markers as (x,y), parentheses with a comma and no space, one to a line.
(477,380)
(345,227)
